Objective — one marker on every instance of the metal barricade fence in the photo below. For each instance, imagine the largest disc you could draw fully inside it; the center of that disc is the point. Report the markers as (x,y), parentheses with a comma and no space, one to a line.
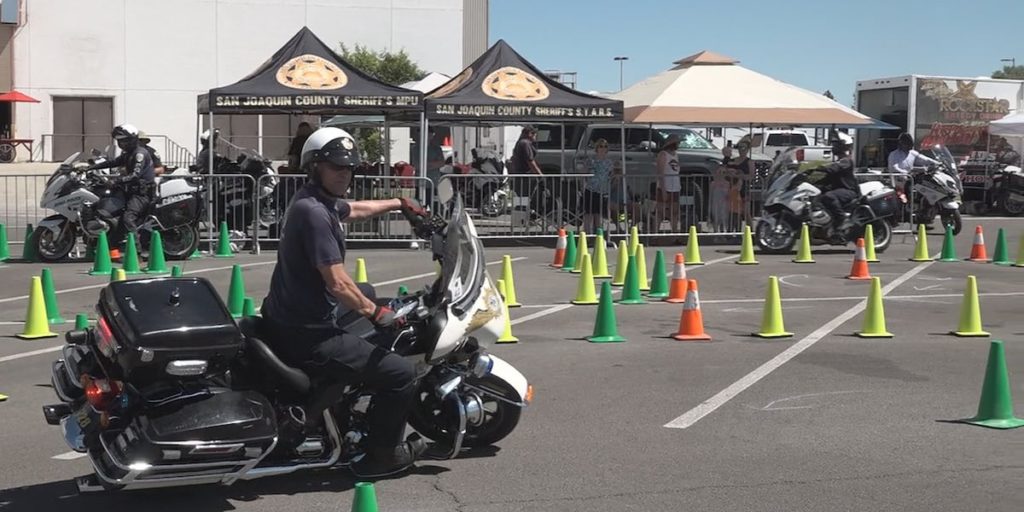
(228,198)
(21,195)
(391,227)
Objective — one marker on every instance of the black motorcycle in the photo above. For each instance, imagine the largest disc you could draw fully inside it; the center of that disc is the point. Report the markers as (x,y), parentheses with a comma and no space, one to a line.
(169,390)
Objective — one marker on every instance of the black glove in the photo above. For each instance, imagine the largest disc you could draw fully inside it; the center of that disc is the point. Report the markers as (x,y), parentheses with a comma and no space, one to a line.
(384,317)
(413,207)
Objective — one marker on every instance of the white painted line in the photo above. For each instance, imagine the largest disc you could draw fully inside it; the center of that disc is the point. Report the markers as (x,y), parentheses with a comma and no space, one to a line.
(69,456)
(711,404)
(13,357)
(553,309)
(428,274)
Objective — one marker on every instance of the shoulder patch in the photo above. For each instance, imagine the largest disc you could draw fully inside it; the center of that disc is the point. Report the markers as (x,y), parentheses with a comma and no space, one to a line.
(139,157)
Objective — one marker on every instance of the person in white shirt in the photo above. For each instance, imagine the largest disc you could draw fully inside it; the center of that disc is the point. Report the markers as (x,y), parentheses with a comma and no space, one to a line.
(905,157)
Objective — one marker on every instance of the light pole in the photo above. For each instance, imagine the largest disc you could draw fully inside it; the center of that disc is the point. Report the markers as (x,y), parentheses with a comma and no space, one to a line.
(1011,60)
(621,61)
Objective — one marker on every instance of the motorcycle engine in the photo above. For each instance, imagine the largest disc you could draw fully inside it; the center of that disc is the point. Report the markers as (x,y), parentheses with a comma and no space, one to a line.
(819,216)
(93,225)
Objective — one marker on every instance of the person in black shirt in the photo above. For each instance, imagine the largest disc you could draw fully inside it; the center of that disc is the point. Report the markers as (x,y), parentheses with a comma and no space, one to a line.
(841,182)
(138,180)
(158,165)
(312,300)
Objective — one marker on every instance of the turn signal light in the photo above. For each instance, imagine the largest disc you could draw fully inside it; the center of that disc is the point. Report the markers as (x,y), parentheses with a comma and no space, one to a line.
(529,394)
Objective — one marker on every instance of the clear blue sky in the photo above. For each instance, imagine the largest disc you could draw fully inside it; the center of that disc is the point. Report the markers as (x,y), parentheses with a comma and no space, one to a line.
(828,44)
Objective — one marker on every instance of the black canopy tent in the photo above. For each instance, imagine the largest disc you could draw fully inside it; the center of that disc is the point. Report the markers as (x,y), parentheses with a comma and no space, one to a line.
(502,87)
(305,76)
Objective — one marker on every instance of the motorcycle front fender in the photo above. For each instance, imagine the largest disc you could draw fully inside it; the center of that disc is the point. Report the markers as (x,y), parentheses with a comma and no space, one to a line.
(508,373)
(55,223)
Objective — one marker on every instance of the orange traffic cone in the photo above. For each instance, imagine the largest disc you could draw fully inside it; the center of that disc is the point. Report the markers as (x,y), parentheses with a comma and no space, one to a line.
(860,263)
(559,249)
(691,323)
(677,288)
(115,254)
(978,252)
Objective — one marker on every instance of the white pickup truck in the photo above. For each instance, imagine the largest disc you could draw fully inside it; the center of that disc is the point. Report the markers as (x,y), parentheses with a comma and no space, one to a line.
(770,141)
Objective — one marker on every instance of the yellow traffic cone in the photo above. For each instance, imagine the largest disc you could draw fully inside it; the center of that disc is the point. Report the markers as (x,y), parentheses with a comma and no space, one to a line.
(641,268)
(620,267)
(581,249)
(772,324)
(361,271)
(586,295)
(921,249)
(747,248)
(869,244)
(874,318)
(506,335)
(693,248)
(803,255)
(36,324)
(970,313)
(600,259)
(634,239)
(510,282)
(1020,252)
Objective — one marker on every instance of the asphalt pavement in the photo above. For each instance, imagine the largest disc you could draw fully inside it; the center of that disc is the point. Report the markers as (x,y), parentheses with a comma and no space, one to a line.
(820,421)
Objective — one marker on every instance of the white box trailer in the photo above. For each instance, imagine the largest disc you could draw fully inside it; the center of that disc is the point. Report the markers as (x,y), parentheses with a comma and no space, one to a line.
(953,111)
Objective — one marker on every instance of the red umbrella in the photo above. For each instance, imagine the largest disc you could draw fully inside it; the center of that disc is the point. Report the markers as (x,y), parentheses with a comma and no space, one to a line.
(14,96)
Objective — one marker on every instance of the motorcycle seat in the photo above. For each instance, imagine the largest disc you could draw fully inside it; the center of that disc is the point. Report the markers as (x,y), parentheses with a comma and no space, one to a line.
(295,379)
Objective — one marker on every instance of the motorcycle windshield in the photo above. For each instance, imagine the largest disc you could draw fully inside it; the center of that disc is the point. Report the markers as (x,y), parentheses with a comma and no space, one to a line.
(781,171)
(463,270)
(65,166)
(942,154)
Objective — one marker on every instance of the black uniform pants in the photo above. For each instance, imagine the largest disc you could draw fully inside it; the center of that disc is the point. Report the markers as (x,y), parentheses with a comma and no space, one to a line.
(340,357)
(835,201)
(134,213)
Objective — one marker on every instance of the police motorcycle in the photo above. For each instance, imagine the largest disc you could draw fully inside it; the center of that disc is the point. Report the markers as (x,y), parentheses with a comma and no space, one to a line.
(938,191)
(169,390)
(793,199)
(485,186)
(86,203)
(246,178)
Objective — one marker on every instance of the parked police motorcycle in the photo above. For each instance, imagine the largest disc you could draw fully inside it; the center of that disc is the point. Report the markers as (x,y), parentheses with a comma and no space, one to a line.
(247,176)
(486,184)
(938,191)
(168,390)
(87,204)
(793,199)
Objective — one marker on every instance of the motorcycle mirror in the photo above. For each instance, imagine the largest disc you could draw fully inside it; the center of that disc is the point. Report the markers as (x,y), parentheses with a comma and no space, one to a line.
(445,192)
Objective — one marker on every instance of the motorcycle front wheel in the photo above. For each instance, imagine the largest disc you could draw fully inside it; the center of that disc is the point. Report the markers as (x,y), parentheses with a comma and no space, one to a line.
(952,219)
(776,236)
(499,420)
(180,242)
(55,247)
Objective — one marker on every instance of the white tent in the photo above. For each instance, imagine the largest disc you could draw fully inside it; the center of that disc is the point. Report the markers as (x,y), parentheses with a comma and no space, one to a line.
(1009,126)
(711,89)
(428,83)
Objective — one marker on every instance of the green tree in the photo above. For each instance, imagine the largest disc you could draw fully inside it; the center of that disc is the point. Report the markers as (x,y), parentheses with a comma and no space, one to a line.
(828,94)
(393,68)
(1012,72)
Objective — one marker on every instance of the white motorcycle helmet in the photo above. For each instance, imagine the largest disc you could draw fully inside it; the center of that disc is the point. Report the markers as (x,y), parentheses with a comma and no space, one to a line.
(842,143)
(332,145)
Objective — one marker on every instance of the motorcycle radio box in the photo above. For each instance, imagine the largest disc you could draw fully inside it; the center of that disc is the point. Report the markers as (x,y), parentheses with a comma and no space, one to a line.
(175,326)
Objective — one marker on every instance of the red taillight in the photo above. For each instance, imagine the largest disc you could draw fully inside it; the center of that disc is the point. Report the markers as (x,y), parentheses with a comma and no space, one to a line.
(107,344)
(101,393)
(799,155)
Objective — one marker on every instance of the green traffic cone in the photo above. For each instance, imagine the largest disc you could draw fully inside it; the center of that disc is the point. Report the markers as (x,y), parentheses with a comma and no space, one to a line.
(81,321)
(28,252)
(5,251)
(131,257)
(236,292)
(631,290)
(101,265)
(223,242)
(1002,253)
(248,307)
(365,499)
(995,409)
(402,290)
(156,264)
(659,280)
(619,278)
(605,329)
(570,252)
(176,271)
(948,247)
(50,298)
(195,254)
(599,232)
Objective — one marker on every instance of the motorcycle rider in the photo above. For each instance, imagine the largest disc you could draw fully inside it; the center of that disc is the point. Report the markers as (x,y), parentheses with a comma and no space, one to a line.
(905,157)
(203,157)
(312,299)
(137,180)
(842,184)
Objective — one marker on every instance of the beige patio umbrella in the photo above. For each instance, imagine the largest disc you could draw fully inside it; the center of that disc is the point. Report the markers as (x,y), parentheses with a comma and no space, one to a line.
(711,89)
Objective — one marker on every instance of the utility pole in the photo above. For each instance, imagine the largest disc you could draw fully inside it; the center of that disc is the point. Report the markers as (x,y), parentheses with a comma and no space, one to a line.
(621,61)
